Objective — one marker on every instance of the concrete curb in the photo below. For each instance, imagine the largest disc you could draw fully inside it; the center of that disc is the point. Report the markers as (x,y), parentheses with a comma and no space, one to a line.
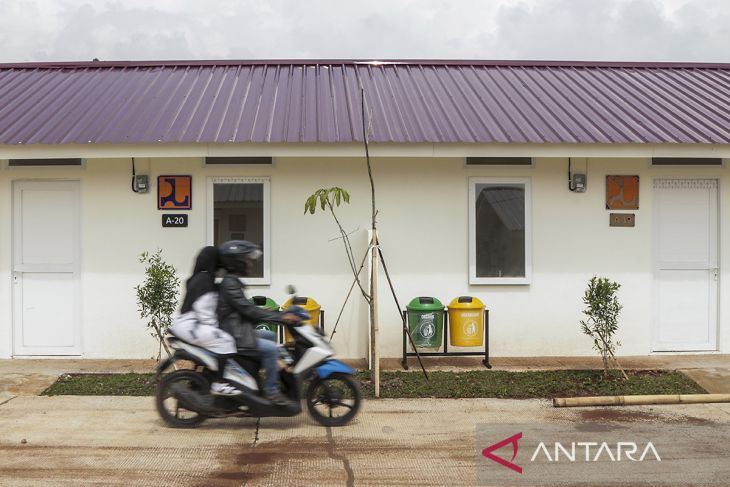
(640,400)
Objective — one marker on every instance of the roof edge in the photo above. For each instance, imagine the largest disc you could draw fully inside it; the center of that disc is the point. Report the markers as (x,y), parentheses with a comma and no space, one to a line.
(374,62)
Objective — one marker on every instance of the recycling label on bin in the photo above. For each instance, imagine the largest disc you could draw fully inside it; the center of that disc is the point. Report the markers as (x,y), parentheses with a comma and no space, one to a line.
(426,325)
(469,326)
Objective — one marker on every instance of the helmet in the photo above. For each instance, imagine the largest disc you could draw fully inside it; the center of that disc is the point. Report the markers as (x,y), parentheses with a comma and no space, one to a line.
(238,255)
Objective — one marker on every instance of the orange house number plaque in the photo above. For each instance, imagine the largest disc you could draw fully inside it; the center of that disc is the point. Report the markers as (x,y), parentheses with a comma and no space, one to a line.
(622,192)
(174,192)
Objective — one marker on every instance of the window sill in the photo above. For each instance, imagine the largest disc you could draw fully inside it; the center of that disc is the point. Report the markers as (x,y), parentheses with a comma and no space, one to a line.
(500,281)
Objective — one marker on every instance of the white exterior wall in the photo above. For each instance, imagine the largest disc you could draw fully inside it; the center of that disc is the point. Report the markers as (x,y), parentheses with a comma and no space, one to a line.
(423,227)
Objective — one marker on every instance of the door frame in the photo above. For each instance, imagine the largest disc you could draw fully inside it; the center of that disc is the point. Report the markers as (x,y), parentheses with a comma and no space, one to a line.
(717,220)
(17,269)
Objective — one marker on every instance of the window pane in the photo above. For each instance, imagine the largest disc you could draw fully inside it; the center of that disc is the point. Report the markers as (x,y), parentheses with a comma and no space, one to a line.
(500,230)
(238,214)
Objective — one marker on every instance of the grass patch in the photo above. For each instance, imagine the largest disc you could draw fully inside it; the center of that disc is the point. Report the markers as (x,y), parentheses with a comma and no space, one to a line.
(474,383)
(527,385)
(130,384)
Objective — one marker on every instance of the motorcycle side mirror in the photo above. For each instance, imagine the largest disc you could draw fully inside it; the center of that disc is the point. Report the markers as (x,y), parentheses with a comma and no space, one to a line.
(290,289)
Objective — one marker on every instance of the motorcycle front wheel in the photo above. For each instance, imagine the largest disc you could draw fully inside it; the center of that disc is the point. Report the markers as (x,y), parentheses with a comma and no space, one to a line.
(172,410)
(333,401)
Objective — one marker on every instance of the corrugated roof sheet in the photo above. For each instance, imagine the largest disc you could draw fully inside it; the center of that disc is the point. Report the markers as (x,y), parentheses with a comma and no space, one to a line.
(319,101)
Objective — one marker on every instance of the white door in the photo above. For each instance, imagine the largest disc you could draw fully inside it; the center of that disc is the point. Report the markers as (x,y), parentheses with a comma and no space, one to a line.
(45,268)
(685,264)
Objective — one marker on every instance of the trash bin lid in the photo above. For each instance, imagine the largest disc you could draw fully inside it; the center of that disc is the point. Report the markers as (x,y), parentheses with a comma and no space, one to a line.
(466,302)
(265,302)
(305,302)
(425,303)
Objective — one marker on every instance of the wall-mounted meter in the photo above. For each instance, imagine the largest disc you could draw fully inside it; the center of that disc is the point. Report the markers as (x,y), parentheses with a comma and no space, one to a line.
(141,183)
(579,183)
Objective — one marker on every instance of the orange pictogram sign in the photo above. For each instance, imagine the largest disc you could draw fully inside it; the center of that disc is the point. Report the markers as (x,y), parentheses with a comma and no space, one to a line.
(622,192)
(174,192)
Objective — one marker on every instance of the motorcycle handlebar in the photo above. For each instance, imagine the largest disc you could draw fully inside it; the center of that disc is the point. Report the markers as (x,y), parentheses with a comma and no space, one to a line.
(299,312)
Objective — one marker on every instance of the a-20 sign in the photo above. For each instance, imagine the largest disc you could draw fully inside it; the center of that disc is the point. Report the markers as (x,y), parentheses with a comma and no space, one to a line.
(174,220)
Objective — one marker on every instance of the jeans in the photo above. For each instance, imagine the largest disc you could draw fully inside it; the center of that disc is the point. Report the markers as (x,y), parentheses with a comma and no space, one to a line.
(266,335)
(266,345)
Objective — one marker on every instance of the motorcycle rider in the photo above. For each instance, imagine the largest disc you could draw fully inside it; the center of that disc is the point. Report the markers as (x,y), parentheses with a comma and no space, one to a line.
(197,322)
(239,316)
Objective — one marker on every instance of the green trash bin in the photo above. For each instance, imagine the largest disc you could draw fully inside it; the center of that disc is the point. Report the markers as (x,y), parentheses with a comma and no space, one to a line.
(266,303)
(426,322)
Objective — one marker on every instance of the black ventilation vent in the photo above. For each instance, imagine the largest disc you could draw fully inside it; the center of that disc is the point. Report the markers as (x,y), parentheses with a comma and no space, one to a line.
(499,161)
(238,160)
(686,161)
(43,162)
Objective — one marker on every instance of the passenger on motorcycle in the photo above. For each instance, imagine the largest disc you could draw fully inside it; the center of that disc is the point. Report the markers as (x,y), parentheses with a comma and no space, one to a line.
(198,319)
(239,316)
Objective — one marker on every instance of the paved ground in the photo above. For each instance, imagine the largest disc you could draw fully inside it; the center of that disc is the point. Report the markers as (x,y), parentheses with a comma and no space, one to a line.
(120,441)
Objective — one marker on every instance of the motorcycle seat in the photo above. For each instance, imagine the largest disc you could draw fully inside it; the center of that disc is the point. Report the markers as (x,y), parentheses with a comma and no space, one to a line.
(171,338)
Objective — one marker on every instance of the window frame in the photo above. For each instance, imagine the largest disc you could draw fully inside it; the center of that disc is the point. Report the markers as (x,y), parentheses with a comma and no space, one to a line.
(266,181)
(473,278)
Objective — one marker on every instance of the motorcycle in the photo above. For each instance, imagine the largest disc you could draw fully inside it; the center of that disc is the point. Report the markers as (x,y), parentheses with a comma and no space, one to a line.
(332,395)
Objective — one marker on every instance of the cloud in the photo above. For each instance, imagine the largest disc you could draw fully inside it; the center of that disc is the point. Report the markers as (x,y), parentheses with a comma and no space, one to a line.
(635,30)
(647,30)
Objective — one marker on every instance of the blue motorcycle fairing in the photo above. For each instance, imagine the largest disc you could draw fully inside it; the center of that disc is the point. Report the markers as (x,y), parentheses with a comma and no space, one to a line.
(332,366)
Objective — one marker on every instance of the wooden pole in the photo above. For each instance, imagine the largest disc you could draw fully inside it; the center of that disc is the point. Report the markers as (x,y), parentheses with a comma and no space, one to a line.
(374,311)
(639,400)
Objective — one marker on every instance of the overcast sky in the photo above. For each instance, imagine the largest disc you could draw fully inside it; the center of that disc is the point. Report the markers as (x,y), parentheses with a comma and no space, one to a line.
(615,30)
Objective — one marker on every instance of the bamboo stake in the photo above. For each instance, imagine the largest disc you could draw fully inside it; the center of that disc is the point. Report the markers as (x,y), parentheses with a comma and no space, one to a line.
(374,312)
(639,400)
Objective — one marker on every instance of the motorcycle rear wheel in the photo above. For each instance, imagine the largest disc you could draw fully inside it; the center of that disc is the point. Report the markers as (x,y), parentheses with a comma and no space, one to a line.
(338,393)
(169,407)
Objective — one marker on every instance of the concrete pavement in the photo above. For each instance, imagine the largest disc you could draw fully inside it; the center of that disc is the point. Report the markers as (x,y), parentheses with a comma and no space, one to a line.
(73,440)
(77,440)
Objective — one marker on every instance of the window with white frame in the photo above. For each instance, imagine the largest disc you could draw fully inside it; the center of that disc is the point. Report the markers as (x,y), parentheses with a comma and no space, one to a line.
(238,209)
(500,231)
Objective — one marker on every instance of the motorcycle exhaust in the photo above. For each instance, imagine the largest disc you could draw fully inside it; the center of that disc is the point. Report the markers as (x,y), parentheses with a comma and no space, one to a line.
(192,400)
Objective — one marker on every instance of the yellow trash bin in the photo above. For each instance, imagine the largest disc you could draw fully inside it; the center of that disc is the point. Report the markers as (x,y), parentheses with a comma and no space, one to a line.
(310,306)
(466,322)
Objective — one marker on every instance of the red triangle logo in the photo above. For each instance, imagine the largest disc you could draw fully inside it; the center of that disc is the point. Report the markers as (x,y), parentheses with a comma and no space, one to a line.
(487,452)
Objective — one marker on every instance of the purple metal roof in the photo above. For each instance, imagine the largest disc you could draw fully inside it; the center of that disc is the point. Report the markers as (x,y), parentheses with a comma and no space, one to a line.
(319,101)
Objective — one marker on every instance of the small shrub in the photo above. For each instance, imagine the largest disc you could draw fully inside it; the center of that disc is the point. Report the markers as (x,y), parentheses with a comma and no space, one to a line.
(157,296)
(602,310)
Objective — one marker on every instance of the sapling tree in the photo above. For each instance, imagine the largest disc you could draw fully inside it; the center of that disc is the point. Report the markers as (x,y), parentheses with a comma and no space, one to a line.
(327,199)
(601,323)
(157,296)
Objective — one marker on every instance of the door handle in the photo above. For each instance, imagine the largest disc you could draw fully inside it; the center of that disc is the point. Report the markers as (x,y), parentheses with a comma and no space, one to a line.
(715,273)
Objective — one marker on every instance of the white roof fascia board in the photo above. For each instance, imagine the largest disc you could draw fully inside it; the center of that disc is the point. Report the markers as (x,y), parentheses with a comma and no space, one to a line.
(357,150)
